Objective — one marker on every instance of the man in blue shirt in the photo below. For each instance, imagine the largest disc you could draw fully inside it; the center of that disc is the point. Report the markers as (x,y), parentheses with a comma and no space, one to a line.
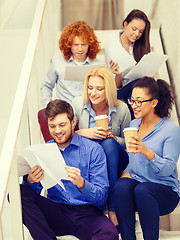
(78,210)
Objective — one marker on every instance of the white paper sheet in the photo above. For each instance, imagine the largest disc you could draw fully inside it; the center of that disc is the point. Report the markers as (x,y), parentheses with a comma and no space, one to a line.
(119,55)
(23,166)
(78,73)
(147,66)
(50,159)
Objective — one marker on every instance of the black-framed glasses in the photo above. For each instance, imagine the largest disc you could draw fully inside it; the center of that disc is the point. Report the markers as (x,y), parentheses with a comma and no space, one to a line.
(138,103)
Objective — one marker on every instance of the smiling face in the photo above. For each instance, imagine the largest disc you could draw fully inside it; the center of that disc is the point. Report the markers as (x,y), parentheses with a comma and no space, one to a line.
(96,90)
(134,29)
(61,129)
(147,108)
(79,49)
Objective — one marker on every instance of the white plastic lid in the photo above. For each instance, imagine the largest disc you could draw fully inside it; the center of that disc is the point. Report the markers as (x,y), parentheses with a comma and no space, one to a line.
(100,117)
(130,129)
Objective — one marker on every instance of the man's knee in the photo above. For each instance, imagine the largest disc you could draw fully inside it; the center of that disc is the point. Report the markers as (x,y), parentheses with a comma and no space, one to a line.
(24,189)
(108,231)
(26,193)
(112,233)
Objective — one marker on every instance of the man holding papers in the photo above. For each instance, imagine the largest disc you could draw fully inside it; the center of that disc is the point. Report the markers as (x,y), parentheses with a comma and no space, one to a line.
(77,210)
(79,47)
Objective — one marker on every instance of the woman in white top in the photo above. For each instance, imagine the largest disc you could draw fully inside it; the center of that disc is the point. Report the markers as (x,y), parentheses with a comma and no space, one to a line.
(127,48)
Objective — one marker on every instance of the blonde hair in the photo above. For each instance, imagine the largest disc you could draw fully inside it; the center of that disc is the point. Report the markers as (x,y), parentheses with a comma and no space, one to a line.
(110,85)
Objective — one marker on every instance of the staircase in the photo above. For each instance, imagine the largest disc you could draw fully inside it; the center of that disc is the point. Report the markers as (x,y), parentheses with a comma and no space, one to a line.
(24,60)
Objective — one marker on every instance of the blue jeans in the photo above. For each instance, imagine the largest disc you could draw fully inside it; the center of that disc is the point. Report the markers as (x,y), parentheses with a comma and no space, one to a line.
(117,160)
(149,199)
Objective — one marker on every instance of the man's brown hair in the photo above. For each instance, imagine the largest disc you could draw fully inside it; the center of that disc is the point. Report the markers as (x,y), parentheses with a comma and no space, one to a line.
(58,106)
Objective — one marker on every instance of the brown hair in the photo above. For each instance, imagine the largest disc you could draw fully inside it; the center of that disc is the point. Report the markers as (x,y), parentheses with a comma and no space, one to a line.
(58,106)
(85,33)
(142,45)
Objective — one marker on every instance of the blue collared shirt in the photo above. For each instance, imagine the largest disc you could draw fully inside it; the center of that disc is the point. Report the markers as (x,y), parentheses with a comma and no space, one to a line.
(90,158)
(92,115)
(65,90)
(164,141)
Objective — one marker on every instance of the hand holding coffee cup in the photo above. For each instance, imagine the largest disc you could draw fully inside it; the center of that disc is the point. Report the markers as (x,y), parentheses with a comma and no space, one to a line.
(128,134)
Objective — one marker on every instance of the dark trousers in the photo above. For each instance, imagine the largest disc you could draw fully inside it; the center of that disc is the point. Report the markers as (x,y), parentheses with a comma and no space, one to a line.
(124,94)
(150,200)
(46,219)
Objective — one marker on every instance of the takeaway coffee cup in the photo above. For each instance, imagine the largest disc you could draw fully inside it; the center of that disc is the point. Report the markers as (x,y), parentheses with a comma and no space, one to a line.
(128,133)
(102,121)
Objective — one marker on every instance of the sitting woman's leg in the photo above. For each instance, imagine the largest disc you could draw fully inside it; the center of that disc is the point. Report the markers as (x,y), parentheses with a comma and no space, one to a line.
(125,207)
(117,160)
(124,94)
(152,201)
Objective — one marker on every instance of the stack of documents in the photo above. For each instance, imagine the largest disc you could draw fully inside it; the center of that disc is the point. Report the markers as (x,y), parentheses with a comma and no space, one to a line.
(49,157)
(147,66)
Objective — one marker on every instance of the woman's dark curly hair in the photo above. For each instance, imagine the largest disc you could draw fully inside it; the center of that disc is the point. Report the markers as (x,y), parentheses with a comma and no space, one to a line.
(85,33)
(160,90)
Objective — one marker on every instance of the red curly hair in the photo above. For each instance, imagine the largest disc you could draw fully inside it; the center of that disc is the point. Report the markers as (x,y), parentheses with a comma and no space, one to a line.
(85,33)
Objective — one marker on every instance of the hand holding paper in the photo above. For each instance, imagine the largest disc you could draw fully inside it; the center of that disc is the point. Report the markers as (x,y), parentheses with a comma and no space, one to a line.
(74,175)
(35,174)
(78,73)
(147,66)
(51,161)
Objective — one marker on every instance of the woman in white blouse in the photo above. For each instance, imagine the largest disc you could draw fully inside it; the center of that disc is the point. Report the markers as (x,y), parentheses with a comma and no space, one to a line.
(127,48)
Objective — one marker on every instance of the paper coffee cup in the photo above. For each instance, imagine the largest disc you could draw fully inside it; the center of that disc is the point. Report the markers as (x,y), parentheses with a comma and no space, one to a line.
(102,121)
(128,133)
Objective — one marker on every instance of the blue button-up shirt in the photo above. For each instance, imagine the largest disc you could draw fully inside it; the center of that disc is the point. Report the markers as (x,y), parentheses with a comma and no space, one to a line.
(90,158)
(164,141)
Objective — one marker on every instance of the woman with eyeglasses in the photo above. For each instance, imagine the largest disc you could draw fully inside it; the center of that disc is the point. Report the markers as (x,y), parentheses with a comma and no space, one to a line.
(127,48)
(149,185)
(100,98)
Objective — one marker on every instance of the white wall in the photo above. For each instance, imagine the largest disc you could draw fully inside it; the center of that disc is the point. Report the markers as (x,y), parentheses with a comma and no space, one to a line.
(14,34)
(11,60)
(168,16)
(15,14)
(145,6)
